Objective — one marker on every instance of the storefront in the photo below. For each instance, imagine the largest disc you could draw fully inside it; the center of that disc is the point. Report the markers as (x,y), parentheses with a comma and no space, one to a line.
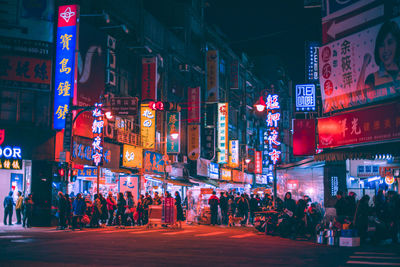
(86,181)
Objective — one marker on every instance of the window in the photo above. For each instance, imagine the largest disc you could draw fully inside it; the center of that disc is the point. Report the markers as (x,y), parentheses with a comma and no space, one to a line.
(26,107)
(8,108)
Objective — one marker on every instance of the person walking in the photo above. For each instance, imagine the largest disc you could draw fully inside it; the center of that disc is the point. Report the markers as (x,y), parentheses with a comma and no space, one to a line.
(28,212)
(156,199)
(104,211)
(121,204)
(253,208)
(8,208)
(68,210)
(18,207)
(146,203)
(62,211)
(94,222)
(223,204)
(340,206)
(79,208)
(213,201)
(393,215)
(361,217)
(179,209)
(130,208)
(111,207)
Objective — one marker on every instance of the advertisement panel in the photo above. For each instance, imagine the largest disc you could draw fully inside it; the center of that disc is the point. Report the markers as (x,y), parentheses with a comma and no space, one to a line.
(303,137)
(98,135)
(234,154)
(194,105)
(226,174)
(305,97)
(149,75)
(258,162)
(370,125)
(212,76)
(251,154)
(213,170)
(148,126)
(234,75)
(360,69)
(222,132)
(132,156)
(153,162)
(312,61)
(238,176)
(202,167)
(193,142)
(173,127)
(209,143)
(129,183)
(91,74)
(65,67)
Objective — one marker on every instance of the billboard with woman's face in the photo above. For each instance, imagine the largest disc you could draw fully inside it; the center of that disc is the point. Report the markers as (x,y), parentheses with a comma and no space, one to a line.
(362,68)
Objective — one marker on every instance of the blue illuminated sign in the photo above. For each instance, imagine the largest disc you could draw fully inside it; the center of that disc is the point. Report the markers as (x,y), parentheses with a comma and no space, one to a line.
(312,61)
(305,97)
(64,64)
(213,170)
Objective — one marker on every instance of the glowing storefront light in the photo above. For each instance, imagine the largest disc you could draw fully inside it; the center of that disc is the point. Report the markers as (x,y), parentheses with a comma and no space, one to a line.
(97,130)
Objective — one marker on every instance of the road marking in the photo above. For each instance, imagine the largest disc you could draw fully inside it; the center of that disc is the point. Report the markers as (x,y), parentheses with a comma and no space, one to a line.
(210,234)
(373,263)
(179,232)
(375,257)
(13,236)
(375,253)
(146,232)
(243,236)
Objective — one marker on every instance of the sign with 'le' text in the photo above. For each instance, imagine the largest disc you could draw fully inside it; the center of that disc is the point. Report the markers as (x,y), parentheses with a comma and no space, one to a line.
(147,129)
(64,74)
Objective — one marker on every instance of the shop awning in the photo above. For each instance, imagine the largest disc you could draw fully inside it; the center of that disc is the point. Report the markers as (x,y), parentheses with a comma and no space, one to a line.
(359,152)
(305,163)
(181,182)
(205,180)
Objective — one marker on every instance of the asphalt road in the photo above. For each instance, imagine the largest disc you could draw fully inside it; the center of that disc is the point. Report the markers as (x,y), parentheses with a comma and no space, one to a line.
(192,246)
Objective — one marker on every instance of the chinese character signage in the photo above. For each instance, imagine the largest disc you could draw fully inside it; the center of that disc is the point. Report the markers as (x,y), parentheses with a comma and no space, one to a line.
(258,162)
(238,176)
(209,143)
(147,129)
(212,76)
(222,143)
(97,130)
(356,70)
(65,63)
(273,118)
(213,170)
(173,127)
(370,125)
(132,156)
(312,65)
(194,105)
(303,137)
(153,162)
(10,158)
(193,141)
(265,156)
(87,172)
(305,97)
(149,75)
(234,153)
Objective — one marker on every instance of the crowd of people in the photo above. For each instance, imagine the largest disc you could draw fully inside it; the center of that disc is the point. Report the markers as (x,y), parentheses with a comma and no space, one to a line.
(23,209)
(119,210)
(383,216)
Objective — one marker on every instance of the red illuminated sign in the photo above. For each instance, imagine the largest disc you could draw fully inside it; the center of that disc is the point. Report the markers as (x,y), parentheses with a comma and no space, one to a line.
(303,137)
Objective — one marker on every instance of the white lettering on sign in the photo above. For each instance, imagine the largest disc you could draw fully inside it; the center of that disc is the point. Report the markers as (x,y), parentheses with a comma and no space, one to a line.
(10,152)
(129,156)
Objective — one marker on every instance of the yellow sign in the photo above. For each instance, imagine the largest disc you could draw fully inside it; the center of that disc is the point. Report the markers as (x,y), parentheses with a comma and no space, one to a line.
(132,156)
(226,174)
(147,126)
(233,154)
(193,142)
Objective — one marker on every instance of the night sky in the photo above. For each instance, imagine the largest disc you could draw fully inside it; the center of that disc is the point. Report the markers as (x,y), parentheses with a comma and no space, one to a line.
(271,32)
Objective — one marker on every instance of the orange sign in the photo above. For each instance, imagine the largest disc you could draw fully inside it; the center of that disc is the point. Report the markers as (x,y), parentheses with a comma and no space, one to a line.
(147,126)
(193,142)
(226,174)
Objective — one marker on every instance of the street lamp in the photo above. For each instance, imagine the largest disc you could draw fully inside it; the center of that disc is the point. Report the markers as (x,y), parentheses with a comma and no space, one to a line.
(247,160)
(174,135)
(260,104)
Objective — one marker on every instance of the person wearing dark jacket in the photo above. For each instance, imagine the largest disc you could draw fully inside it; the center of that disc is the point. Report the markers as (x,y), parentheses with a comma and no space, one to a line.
(289,203)
(361,217)
(62,211)
(111,207)
(79,208)
(179,210)
(253,207)
(351,204)
(104,211)
(243,209)
(213,201)
(340,206)
(68,210)
(393,211)
(223,204)
(121,205)
(28,211)
(8,208)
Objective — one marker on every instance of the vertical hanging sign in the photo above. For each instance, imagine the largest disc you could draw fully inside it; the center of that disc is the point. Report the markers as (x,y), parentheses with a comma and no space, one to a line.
(194,105)
(212,76)
(97,130)
(173,129)
(273,118)
(147,128)
(222,132)
(65,70)
(149,75)
(258,162)
(234,153)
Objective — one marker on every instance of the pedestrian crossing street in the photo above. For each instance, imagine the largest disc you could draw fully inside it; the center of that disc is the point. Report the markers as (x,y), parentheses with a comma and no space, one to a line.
(374,259)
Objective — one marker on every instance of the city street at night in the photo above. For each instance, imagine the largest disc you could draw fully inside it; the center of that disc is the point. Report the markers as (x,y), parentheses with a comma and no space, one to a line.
(191,246)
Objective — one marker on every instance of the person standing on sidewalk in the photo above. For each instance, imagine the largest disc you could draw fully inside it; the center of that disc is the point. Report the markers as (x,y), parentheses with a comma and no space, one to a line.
(111,207)
(62,211)
(8,208)
(213,201)
(28,211)
(18,207)
(223,204)
(79,208)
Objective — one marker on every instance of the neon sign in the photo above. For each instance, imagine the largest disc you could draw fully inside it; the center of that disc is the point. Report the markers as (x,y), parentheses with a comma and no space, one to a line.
(305,97)
(271,142)
(65,63)
(97,130)
(222,132)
